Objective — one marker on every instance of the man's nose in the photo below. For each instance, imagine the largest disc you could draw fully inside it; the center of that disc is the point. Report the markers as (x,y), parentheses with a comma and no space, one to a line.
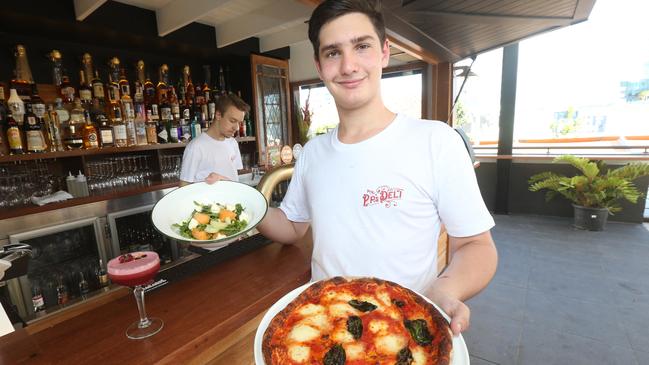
(348,63)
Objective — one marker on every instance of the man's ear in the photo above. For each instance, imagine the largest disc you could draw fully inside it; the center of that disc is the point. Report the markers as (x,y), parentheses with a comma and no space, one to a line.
(385,53)
(217,115)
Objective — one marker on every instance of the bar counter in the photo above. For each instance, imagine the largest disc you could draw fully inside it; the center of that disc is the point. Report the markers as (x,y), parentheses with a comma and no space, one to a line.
(209,318)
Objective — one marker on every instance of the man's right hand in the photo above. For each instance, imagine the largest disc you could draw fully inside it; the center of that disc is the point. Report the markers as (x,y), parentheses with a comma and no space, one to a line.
(214,177)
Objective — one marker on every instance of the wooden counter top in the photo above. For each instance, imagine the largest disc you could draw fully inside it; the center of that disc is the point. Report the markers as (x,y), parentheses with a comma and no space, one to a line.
(208,318)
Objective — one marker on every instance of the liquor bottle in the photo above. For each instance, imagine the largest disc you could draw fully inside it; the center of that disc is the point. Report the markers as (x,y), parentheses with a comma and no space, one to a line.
(102,276)
(34,131)
(23,76)
(195,126)
(14,136)
(248,121)
(207,91)
(16,106)
(4,147)
(242,129)
(54,129)
(57,67)
(140,124)
(119,128)
(112,88)
(124,86)
(190,92)
(151,134)
(84,288)
(38,106)
(149,91)
(98,88)
(106,136)
(88,69)
(221,81)
(85,90)
(128,112)
(38,303)
(175,130)
(90,137)
(67,91)
(73,135)
(64,117)
(164,126)
(163,81)
(138,97)
(62,296)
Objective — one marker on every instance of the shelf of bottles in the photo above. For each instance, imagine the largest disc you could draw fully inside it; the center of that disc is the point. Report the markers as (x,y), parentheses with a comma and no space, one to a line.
(113,135)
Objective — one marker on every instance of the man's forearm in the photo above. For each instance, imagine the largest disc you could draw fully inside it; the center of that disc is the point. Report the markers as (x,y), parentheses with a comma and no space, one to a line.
(472,266)
(278,228)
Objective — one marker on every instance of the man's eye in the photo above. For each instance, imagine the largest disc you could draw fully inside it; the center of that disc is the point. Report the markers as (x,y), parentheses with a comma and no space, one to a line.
(363,46)
(332,54)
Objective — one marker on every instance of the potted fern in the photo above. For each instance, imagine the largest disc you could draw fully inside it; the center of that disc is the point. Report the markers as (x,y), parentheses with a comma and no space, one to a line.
(595,193)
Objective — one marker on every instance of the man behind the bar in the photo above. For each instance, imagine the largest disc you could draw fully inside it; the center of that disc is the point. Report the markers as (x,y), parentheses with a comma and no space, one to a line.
(376,190)
(215,153)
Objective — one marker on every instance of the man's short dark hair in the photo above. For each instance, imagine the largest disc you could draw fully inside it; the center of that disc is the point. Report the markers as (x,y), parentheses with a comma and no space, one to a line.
(227,100)
(329,10)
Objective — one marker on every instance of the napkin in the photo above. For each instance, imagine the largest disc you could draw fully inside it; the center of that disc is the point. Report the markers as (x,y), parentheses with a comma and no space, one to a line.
(52,198)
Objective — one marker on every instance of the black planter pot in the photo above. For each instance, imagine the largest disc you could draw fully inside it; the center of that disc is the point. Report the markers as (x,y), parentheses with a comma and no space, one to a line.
(592,219)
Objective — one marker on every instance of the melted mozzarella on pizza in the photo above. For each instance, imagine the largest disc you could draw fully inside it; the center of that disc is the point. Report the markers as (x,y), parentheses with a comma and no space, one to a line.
(320,321)
(303,333)
(299,353)
(342,309)
(310,309)
(419,356)
(378,326)
(337,296)
(390,344)
(341,335)
(354,351)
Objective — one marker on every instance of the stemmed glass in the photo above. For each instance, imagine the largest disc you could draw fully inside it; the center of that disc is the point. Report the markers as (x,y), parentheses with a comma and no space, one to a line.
(137,269)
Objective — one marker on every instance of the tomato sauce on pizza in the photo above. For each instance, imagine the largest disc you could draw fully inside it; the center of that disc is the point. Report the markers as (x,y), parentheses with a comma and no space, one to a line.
(358,321)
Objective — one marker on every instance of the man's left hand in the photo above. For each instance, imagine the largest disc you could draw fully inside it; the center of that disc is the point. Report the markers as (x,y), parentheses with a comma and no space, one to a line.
(214,177)
(458,311)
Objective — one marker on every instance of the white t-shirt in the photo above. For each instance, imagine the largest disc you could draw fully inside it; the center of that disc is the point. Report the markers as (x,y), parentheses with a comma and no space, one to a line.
(376,206)
(205,154)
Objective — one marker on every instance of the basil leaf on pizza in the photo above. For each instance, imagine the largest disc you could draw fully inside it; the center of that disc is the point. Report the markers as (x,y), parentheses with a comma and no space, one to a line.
(358,321)
(362,306)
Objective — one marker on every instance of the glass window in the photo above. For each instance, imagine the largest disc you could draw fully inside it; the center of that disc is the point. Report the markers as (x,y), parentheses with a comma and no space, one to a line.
(477,109)
(587,83)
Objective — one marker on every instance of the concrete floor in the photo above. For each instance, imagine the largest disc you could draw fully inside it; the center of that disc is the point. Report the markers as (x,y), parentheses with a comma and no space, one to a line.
(563,296)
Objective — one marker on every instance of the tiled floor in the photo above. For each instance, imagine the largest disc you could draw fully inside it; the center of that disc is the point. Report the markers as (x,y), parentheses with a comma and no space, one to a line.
(563,296)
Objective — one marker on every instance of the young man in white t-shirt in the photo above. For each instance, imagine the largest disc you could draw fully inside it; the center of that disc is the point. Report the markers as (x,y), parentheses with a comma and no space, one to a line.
(376,190)
(216,152)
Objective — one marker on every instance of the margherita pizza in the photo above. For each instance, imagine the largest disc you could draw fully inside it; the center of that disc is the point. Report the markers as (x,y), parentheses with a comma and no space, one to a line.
(358,321)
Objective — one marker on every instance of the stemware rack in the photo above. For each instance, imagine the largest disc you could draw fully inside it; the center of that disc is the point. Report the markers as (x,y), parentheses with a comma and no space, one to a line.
(111,173)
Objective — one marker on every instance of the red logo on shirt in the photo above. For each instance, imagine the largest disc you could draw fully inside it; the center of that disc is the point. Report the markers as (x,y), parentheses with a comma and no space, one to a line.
(383,195)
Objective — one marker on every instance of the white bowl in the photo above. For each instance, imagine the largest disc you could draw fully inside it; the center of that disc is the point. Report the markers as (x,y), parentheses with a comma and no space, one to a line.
(178,205)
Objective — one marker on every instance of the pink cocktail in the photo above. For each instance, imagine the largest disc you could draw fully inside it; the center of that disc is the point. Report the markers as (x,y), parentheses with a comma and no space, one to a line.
(133,269)
(136,269)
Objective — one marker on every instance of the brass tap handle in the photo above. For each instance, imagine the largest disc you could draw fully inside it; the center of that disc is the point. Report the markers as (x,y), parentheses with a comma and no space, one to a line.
(272,178)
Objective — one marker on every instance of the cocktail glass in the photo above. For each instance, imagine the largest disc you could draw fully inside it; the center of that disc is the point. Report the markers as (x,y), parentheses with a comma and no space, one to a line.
(135,270)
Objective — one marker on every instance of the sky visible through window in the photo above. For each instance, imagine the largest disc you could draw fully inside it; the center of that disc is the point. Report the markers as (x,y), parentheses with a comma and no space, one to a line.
(589,79)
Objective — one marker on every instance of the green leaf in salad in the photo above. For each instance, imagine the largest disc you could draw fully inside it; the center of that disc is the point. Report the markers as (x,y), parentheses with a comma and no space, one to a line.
(238,209)
(234,228)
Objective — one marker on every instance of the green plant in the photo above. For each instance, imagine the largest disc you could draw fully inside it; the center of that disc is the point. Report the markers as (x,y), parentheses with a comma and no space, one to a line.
(596,187)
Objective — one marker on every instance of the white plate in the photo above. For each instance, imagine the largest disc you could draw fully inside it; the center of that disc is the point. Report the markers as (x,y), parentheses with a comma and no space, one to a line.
(460,352)
(178,205)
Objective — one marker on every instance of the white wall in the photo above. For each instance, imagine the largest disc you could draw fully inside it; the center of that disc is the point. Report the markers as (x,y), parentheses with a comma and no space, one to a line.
(301,66)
